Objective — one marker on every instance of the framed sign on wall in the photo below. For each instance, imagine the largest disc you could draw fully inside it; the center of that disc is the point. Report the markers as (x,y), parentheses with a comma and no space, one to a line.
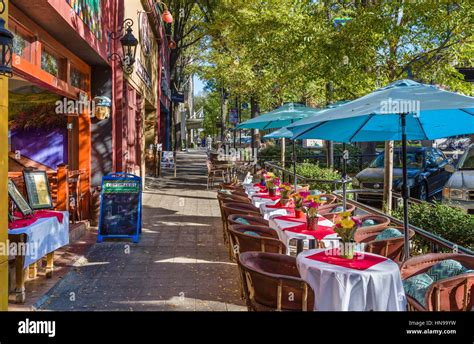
(37,188)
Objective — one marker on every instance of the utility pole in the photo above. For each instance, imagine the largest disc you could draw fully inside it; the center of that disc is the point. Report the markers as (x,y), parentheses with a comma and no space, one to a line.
(329,144)
(223,113)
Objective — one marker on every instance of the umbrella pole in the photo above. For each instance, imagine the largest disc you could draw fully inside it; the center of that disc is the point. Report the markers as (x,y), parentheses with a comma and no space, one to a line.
(405,188)
(294,165)
(344,177)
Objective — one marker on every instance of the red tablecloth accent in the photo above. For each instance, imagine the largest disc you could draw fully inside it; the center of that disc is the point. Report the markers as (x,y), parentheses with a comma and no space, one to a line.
(21,223)
(258,185)
(359,262)
(279,206)
(39,214)
(49,213)
(300,227)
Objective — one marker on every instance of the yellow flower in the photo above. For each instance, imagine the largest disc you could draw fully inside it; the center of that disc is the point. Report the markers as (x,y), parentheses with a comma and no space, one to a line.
(347,223)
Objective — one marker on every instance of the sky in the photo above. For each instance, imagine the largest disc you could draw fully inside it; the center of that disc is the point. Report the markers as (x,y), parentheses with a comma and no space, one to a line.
(198,85)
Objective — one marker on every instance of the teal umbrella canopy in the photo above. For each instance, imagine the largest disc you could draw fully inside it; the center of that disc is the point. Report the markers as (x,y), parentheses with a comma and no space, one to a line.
(431,113)
(285,115)
(282,133)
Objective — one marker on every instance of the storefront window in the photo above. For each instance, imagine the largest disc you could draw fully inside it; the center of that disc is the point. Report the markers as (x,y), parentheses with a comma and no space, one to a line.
(21,46)
(78,79)
(49,63)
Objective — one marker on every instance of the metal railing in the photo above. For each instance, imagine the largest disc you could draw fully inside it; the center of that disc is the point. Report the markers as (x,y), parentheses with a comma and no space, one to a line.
(437,243)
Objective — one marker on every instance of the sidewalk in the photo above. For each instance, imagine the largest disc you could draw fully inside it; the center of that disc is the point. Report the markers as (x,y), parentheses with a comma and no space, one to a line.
(180,264)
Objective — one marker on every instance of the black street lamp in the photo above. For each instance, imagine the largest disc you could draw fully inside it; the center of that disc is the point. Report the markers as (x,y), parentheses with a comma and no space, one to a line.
(6,46)
(129,46)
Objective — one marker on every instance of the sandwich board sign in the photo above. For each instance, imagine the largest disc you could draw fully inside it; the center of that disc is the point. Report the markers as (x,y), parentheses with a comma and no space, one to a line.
(120,207)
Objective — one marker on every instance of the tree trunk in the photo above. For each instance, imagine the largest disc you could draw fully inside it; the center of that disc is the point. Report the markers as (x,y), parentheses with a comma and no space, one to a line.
(254,112)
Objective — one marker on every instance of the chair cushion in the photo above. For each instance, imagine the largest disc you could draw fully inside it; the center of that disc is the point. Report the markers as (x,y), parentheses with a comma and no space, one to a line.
(388,233)
(251,233)
(368,222)
(446,269)
(417,286)
(242,221)
(337,209)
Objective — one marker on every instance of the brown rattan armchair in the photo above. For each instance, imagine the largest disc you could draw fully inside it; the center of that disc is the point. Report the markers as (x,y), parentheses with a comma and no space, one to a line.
(325,210)
(228,209)
(390,248)
(450,294)
(272,282)
(381,222)
(266,241)
(253,220)
(330,199)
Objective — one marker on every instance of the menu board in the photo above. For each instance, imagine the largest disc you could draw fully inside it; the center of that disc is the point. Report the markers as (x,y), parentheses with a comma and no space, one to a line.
(18,199)
(120,207)
(167,160)
(37,188)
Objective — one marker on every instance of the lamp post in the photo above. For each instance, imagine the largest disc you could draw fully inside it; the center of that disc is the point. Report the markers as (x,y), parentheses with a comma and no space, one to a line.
(129,46)
(6,46)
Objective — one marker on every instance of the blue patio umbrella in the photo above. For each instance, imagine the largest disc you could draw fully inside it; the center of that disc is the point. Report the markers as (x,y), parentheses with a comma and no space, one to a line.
(282,116)
(404,110)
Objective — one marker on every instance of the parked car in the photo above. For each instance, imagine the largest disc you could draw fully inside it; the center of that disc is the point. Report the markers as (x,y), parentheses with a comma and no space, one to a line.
(426,174)
(459,190)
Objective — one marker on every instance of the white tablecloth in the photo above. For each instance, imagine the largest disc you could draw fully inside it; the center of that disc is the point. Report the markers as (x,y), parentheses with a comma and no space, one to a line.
(268,213)
(337,288)
(330,241)
(259,201)
(44,236)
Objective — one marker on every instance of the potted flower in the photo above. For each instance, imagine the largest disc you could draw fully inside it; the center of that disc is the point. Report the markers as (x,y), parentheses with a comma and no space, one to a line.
(298,198)
(345,227)
(285,192)
(272,182)
(261,174)
(311,205)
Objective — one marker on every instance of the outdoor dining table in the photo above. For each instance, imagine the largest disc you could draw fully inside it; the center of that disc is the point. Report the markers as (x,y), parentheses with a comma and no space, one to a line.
(368,282)
(288,227)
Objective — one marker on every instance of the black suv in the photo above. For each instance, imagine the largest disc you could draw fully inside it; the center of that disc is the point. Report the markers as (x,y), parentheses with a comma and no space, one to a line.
(426,174)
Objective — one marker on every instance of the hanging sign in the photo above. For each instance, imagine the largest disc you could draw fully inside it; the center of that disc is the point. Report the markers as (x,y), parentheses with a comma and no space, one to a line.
(120,207)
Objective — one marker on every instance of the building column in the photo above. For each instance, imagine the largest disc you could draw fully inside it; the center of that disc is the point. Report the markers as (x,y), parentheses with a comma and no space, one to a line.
(4,183)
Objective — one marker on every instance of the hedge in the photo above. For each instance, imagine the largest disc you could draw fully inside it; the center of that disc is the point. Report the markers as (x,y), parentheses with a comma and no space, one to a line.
(447,222)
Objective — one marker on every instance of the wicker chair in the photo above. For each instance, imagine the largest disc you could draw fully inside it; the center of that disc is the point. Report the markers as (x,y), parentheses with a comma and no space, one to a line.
(212,172)
(269,279)
(390,248)
(450,294)
(229,209)
(330,199)
(251,219)
(381,222)
(325,210)
(266,241)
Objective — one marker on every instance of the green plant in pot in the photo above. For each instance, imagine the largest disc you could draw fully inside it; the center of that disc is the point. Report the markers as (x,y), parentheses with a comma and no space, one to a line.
(298,198)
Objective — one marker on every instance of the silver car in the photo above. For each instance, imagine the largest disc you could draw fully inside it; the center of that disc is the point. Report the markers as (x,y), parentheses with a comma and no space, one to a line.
(459,190)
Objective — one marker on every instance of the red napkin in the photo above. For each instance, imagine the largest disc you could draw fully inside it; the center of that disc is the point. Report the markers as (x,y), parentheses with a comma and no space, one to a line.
(259,186)
(49,213)
(300,227)
(21,223)
(359,262)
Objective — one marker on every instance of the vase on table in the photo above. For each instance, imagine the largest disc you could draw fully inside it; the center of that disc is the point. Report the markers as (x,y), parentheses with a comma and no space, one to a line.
(284,202)
(299,213)
(272,192)
(346,249)
(311,223)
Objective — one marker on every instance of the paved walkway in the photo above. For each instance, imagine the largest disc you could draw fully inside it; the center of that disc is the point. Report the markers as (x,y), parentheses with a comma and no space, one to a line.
(180,264)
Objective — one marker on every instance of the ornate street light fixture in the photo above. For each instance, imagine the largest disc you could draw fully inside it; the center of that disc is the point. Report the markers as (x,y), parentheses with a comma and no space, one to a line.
(6,46)
(129,46)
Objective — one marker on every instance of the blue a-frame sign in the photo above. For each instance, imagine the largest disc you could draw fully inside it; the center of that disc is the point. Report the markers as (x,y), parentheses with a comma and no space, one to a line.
(120,207)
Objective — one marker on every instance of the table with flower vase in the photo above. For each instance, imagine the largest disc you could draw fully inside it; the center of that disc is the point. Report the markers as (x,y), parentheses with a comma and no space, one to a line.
(41,234)
(289,227)
(368,282)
